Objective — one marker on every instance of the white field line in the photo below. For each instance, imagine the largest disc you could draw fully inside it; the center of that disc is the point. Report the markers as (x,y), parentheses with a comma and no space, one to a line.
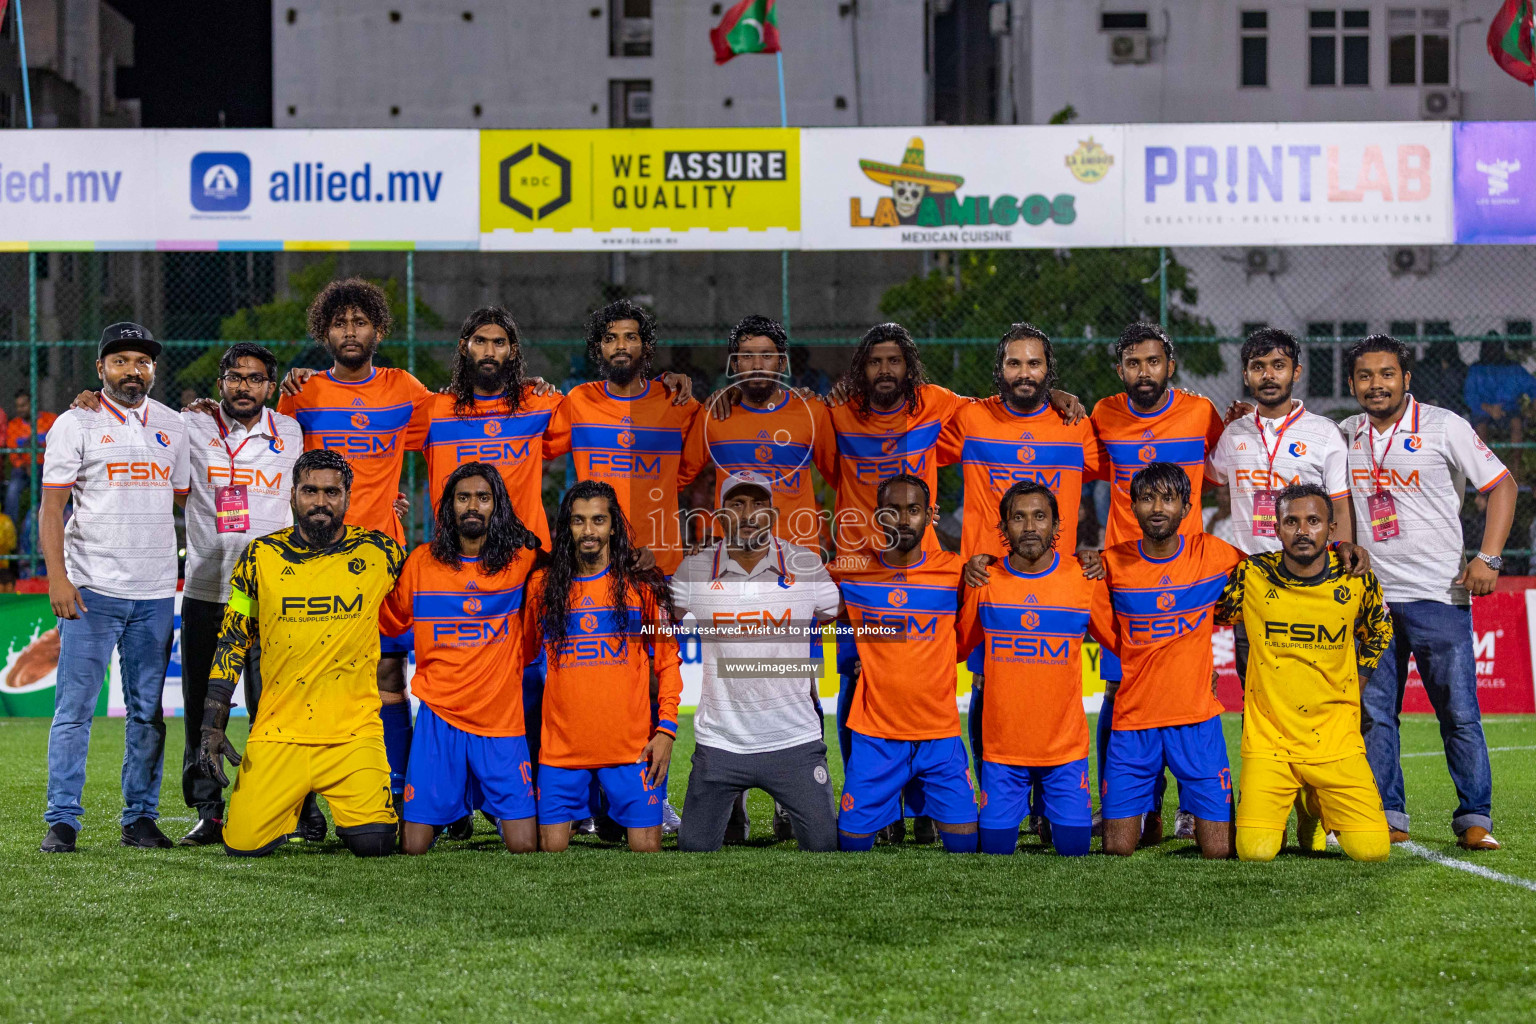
(1439,753)
(1435,857)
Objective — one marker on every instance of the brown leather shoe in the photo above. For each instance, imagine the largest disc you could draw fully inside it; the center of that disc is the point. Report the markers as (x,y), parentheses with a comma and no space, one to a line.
(1398,835)
(1152,830)
(1477,838)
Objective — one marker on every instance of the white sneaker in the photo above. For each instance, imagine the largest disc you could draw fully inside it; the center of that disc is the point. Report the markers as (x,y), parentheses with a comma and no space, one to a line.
(671,821)
(1184,825)
(585,827)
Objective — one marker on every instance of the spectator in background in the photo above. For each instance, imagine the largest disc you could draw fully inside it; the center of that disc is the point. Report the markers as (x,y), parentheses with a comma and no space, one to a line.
(18,434)
(1441,377)
(1493,391)
(803,375)
(1218,517)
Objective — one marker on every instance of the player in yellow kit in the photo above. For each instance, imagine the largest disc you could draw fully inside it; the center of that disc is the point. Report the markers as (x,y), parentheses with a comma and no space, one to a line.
(310,595)
(1314,632)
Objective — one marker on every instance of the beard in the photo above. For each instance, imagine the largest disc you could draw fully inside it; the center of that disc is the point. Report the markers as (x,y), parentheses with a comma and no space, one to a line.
(472,527)
(759,390)
(1147,395)
(319,527)
(1024,395)
(621,374)
(1281,397)
(128,391)
(902,539)
(494,378)
(356,362)
(1030,546)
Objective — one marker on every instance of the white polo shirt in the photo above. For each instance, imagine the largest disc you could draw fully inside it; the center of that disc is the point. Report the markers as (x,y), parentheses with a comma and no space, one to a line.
(1308,449)
(262,463)
(789,587)
(1425,465)
(123,468)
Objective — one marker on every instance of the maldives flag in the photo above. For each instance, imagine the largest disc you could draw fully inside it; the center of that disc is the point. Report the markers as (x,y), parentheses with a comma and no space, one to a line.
(1509,40)
(752,26)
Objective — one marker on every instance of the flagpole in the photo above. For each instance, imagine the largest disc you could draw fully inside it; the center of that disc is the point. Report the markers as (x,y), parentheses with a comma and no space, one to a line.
(26,87)
(783,253)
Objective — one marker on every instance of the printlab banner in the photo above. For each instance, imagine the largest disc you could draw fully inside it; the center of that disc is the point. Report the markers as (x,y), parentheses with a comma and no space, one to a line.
(963,188)
(692,188)
(1362,183)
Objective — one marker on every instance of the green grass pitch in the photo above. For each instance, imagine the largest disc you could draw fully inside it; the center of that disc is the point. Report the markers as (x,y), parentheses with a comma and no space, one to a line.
(470,933)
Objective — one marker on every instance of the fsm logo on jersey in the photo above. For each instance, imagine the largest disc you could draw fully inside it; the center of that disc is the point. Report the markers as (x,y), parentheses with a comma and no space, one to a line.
(221,182)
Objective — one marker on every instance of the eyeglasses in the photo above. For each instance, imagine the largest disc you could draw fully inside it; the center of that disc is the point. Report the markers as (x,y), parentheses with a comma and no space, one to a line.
(236,380)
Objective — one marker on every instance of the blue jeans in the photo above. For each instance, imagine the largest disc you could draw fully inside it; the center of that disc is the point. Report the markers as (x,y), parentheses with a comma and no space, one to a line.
(18,478)
(141,630)
(1439,636)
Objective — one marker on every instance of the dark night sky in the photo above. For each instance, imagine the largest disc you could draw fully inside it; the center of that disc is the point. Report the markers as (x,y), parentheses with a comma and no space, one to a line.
(194,58)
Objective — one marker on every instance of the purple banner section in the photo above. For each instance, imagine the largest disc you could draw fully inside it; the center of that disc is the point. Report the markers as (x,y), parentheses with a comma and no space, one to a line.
(1496,182)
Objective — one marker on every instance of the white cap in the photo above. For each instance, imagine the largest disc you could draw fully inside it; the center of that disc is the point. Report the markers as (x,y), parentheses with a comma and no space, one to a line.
(746,478)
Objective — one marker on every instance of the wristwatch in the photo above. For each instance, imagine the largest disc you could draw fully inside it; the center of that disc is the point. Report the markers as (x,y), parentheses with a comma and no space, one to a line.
(1494,562)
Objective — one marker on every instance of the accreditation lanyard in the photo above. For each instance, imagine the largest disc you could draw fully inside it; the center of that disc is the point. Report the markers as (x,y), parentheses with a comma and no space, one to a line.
(231,504)
(1265,500)
(1379,504)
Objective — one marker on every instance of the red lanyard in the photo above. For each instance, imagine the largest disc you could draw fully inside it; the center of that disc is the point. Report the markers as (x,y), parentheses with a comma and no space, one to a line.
(1269,481)
(1370,447)
(224,433)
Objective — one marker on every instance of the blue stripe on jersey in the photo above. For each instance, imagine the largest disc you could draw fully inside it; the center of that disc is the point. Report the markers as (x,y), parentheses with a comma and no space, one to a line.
(1022,453)
(602,620)
(1146,601)
(738,455)
(877,597)
(1186,451)
(1014,618)
(616,437)
(473,428)
(374,420)
(884,446)
(467,604)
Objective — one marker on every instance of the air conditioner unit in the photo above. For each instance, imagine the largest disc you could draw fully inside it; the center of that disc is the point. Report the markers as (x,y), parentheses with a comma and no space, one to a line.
(1409,259)
(1269,261)
(1440,104)
(637,106)
(635,31)
(1130,48)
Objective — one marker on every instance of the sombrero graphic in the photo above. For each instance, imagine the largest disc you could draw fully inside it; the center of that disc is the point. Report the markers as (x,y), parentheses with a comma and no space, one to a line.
(911,168)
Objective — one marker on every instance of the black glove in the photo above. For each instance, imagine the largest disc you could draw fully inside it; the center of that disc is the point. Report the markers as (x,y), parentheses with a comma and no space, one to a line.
(215,747)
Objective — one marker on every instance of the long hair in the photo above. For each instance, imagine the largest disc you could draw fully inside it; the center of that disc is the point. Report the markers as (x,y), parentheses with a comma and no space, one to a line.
(462,386)
(622,309)
(565,566)
(505,534)
(858,383)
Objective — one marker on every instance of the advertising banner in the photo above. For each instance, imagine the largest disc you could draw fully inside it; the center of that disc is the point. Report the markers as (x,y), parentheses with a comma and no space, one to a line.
(69,189)
(1501,647)
(1043,186)
(1496,182)
(688,188)
(1360,183)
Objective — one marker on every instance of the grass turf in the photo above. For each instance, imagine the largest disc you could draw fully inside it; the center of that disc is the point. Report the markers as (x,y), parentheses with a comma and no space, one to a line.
(758,933)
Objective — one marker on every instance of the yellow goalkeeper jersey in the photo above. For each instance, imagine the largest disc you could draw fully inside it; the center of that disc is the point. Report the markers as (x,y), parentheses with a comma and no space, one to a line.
(1307,641)
(316,616)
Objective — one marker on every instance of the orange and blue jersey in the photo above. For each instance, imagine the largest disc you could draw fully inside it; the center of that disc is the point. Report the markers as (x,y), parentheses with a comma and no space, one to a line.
(1030,627)
(18,433)
(1164,611)
(998,448)
(783,442)
(365,422)
(903,618)
(1183,429)
(875,446)
(634,444)
(597,702)
(468,629)
(512,442)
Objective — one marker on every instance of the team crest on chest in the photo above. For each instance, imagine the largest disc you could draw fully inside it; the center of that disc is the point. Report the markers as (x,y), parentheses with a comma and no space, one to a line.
(492,428)
(1165,601)
(896,598)
(472,606)
(360,420)
(588,623)
(1029,620)
(1341,595)
(1026,454)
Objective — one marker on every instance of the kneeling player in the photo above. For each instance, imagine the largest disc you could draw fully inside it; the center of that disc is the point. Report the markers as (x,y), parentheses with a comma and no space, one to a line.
(902,604)
(603,624)
(1314,633)
(310,595)
(464,595)
(1028,620)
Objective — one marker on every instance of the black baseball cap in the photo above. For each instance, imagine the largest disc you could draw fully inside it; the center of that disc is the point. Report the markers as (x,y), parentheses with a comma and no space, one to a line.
(128,335)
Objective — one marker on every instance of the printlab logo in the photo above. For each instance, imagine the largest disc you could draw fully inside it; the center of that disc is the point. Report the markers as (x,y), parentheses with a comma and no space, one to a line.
(221,182)
(1498,172)
(932,199)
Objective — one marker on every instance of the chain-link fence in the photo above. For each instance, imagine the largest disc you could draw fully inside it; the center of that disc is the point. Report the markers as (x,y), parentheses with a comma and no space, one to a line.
(1467,310)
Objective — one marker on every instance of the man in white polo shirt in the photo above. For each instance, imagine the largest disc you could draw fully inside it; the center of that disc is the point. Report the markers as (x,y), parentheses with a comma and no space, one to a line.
(242,464)
(756,599)
(112,578)
(1409,465)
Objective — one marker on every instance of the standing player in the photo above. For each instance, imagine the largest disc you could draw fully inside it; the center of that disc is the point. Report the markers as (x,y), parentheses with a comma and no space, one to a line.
(603,624)
(1164,587)
(1028,621)
(1316,633)
(363,412)
(310,596)
(463,594)
(906,728)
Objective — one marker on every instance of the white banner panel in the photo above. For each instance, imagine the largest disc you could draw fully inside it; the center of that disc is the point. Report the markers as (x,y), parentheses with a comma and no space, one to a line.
(1042,186)
(1358,183)
(345,186)
(77,186)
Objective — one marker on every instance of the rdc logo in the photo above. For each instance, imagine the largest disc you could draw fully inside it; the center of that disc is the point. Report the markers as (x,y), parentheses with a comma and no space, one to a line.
(221,182)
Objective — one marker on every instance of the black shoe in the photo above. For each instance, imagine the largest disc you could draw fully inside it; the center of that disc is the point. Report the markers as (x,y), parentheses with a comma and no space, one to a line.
(462,829)
(311,822)
(739,828)
(60,839)
(146,835)
(206,832)
(783,827)
(610,831)
(893,834)
(924,831)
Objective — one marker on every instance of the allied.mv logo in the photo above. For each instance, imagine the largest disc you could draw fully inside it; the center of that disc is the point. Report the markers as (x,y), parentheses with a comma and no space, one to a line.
(221,182)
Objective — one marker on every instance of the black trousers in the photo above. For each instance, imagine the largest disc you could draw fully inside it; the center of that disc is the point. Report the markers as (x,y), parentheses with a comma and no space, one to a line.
(199,636)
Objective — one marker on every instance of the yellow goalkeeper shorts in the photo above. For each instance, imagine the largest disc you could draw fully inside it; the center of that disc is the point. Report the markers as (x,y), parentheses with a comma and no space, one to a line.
(1346,793)
(275,778)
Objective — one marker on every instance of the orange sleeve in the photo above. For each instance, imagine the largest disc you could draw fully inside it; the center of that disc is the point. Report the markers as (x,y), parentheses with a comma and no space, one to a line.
(533,624)
(951,441)
(1101,617)
(1213,425)
(1095,458)
(668,667)
(557,436)
(968,625)
(421,420)
(695,451)
(689,468)
(556,404)
(395,616)
(824,446)
(287,404)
